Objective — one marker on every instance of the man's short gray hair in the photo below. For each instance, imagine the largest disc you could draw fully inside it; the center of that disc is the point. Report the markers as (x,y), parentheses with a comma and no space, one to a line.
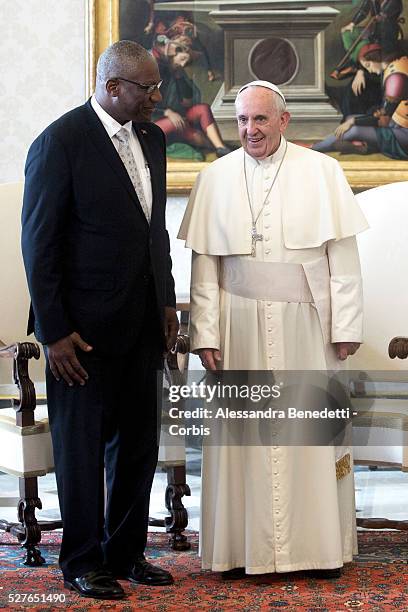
(120,59)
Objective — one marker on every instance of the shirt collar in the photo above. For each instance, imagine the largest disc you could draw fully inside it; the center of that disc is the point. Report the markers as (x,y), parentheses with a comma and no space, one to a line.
(109,123)
(271,159)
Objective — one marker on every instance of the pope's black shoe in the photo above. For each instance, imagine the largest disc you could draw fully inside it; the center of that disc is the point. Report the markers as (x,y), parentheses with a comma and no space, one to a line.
(98,584)
(326,574)
(144,572)
(234,574)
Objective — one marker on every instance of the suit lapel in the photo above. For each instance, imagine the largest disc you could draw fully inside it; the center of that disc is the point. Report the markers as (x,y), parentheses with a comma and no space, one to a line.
(104,144)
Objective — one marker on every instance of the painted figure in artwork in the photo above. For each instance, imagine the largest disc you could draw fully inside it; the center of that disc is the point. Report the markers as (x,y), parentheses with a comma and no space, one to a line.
(380,20)
(384,130)
(181,114)
(182,29)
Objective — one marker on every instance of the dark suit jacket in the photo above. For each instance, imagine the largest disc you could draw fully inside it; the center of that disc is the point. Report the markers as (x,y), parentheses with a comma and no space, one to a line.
(87,247)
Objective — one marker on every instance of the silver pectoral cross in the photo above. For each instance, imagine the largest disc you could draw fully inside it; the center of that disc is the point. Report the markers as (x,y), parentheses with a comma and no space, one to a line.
(255,238)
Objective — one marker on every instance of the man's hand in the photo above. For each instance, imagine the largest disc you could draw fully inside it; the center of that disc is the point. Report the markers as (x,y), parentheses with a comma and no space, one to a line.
(358,83)
(209,357)
(171,326)
(176,119)
(63,360)
(344,349)
(343,128)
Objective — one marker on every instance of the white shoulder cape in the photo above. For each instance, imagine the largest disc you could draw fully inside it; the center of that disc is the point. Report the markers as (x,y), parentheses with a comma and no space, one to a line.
(318,204)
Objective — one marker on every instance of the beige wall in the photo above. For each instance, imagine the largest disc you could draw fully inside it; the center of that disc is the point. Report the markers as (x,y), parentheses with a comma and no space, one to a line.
(14,300)
(42,64)
(42,67)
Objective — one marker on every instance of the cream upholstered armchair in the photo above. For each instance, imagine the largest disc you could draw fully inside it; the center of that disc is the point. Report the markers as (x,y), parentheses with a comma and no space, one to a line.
(380,429)
(25,440)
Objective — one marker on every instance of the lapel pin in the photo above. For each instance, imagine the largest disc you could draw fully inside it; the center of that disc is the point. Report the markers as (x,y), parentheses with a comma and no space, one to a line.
(143,131)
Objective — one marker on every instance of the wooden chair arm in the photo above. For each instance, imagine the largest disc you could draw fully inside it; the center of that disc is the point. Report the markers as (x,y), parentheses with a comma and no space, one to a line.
(182,347)
(21,353)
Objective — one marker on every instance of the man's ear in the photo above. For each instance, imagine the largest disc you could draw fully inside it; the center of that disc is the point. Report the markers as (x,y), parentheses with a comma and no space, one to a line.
(285,118)
(112,87)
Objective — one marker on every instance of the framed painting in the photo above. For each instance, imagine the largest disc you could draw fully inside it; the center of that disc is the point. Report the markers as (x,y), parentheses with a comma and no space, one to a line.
(331,58)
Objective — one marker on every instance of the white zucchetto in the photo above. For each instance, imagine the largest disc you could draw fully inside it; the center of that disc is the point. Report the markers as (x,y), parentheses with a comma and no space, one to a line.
(266,84)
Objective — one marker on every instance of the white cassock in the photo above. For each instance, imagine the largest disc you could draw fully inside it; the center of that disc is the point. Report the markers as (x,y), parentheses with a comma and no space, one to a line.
(275,508)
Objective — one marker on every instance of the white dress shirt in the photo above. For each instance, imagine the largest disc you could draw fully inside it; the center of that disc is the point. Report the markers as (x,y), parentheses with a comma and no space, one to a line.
(112,127)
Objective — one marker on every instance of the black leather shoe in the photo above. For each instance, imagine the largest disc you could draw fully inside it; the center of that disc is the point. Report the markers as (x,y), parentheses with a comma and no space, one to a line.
(144,572)
(234,574)
(98,584)
(327,574)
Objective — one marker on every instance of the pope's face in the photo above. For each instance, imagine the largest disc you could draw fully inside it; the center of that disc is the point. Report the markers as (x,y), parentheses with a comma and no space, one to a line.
(260,123)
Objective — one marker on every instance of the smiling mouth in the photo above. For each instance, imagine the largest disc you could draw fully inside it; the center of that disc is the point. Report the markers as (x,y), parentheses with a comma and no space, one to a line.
(255,140)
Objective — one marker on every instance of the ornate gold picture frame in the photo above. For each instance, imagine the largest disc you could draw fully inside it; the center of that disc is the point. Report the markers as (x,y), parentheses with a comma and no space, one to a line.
(103,28)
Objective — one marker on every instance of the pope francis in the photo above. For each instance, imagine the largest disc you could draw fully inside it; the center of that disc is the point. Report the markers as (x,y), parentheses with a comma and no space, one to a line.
(275,284)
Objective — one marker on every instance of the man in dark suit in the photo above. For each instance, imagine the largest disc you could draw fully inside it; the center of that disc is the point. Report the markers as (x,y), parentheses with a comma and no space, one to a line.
(97,259)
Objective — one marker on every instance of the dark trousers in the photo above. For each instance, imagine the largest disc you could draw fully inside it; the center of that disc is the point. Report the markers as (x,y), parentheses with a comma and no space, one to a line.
(112,421)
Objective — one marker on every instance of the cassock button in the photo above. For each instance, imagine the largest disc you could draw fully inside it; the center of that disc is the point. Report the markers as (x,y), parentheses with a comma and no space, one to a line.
(278,537)
(279,549)
(276,473)
(267,239)
(267,251)
(267,226)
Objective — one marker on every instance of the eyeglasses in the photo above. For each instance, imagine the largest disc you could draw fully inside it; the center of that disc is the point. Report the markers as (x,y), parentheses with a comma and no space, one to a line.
(146,88)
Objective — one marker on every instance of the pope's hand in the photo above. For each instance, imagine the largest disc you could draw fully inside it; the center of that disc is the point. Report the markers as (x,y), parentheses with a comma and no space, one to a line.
(344,349)
(63,360)
(343,128)
(209,357)
(171,325)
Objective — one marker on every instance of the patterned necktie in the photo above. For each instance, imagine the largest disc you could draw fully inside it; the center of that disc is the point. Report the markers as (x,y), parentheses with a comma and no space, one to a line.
(126,155)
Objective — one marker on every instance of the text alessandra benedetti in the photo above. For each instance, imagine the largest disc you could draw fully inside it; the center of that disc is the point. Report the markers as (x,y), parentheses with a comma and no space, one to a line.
(269,413)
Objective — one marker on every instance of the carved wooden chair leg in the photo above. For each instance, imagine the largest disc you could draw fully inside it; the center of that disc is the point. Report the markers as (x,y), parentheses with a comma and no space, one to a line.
(178,519)
(28,529)
(31,535)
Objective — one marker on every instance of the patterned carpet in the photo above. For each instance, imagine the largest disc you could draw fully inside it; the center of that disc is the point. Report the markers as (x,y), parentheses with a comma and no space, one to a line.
(377,581)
